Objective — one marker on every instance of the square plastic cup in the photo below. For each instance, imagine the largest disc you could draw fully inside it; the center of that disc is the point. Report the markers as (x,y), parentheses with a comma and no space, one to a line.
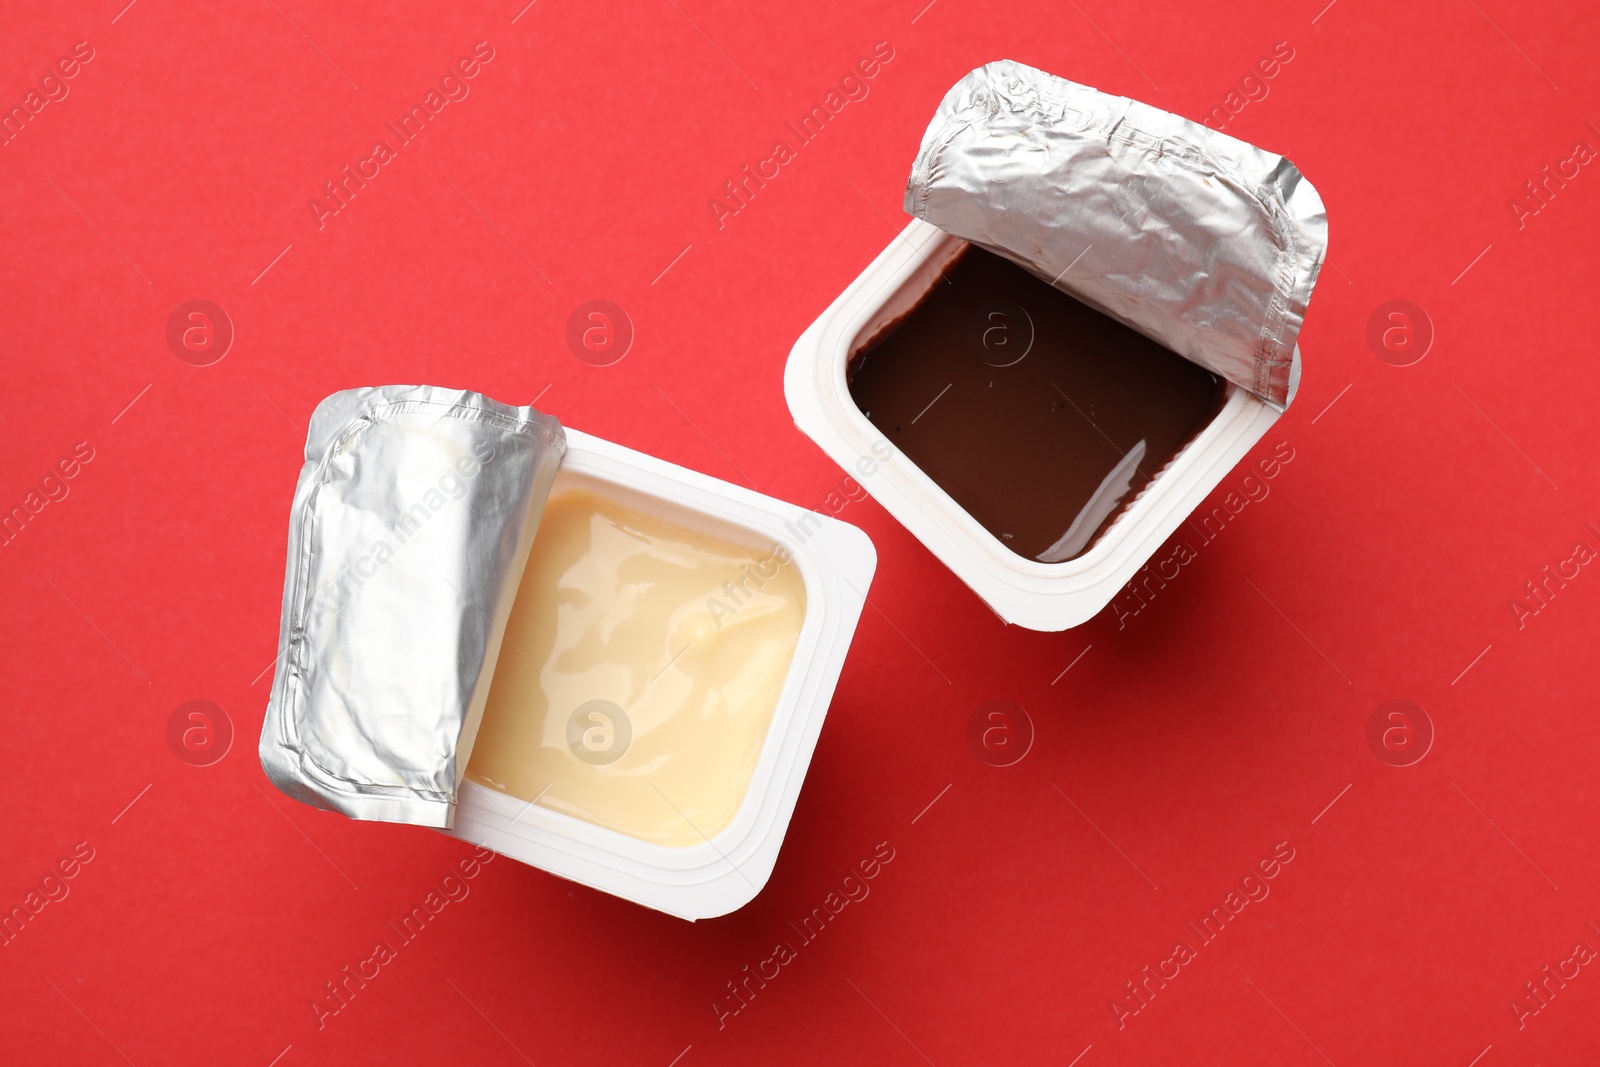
(1028,593)
(726,870)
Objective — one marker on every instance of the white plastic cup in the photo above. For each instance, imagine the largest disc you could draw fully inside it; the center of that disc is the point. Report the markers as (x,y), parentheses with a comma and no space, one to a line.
(836,562)
(1038,596)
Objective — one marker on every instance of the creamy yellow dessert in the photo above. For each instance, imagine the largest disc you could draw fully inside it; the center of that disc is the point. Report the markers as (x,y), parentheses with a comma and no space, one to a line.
(641,666)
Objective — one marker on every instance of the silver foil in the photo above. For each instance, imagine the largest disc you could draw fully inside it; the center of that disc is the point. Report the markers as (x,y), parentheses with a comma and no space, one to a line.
(410,528)
(1201,242)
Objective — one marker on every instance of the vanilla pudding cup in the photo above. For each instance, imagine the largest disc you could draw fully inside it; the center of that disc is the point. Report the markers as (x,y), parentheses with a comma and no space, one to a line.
(662,681)
(582,657)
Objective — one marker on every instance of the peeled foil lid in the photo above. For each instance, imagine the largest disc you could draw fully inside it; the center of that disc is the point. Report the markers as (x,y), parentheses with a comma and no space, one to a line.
(1201,242)
(409,531)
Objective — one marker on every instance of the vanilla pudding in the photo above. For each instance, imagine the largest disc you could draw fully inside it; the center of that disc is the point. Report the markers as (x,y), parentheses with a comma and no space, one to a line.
(643,659)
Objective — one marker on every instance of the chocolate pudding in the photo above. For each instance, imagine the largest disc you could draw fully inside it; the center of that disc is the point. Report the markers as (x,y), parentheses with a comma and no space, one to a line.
(1039,415)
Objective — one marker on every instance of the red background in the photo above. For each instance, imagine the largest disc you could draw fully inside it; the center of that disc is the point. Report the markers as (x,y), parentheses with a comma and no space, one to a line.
(1221,720)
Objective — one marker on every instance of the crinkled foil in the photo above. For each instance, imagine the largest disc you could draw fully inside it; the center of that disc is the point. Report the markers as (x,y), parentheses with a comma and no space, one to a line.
(411,524)
(1203,243)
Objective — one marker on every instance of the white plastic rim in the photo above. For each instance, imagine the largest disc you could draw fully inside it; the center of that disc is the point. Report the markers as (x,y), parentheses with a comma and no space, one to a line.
(836,562)
(1038,596)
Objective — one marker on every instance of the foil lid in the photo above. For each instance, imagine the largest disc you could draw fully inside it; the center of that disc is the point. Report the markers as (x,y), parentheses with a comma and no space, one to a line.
(410,528)
(1201,242)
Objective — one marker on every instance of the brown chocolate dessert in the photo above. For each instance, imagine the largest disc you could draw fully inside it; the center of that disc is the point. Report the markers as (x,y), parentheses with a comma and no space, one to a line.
(1039,415)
